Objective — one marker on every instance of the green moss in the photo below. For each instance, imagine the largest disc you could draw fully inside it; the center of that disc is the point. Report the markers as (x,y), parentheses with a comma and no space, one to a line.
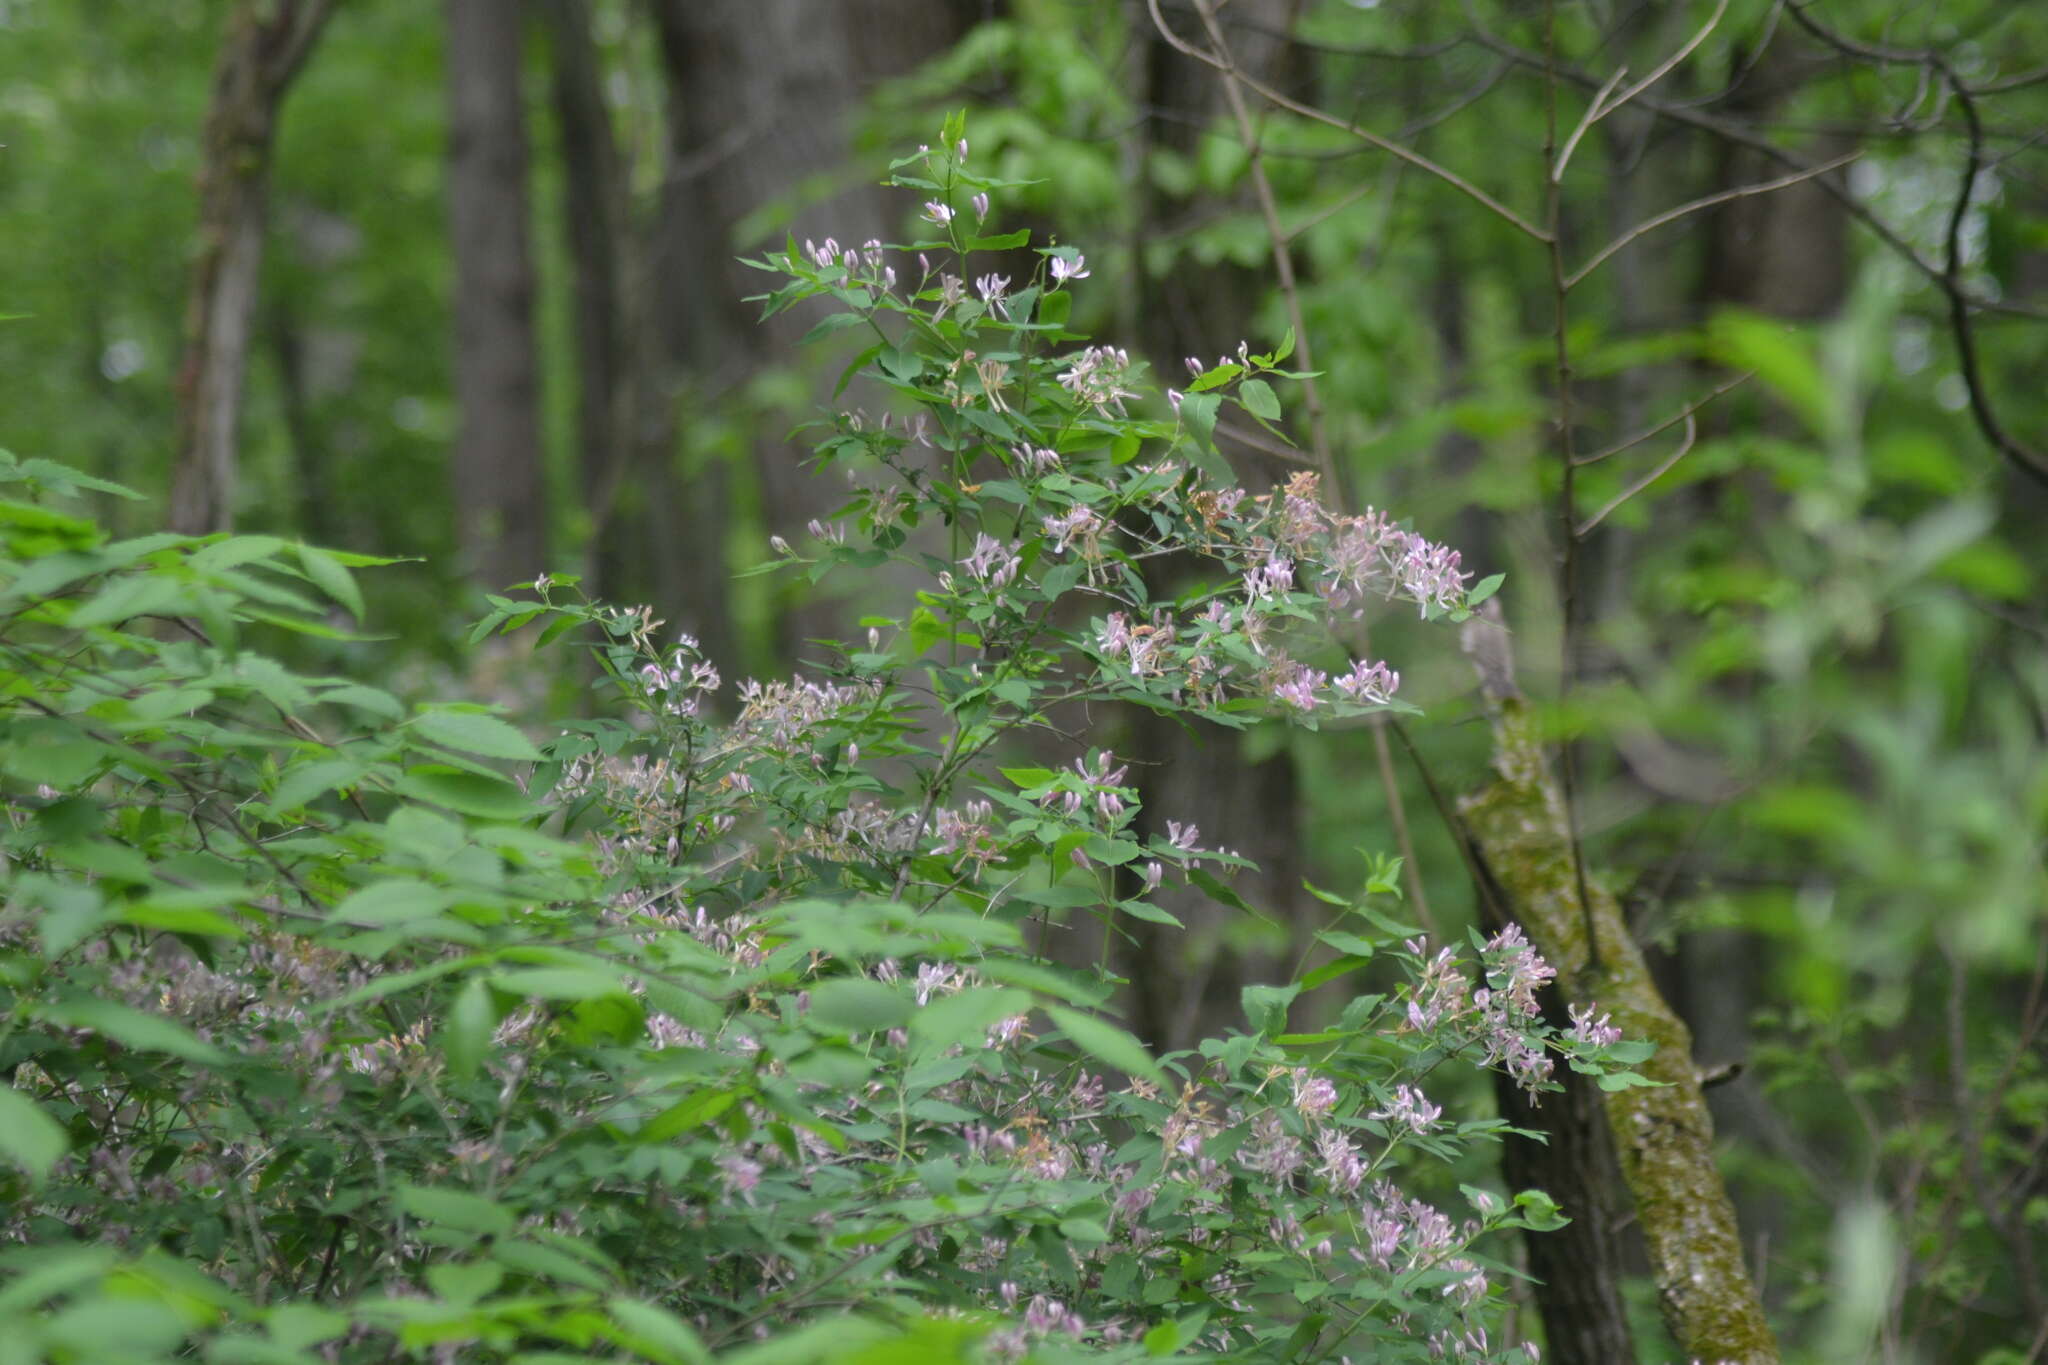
(1664,1134)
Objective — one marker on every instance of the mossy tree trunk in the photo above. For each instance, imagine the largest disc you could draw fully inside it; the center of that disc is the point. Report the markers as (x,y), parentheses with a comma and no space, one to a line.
(1662,1134)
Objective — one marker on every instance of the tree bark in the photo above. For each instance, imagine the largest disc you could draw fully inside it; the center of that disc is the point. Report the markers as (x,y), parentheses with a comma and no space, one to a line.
(500,502)
(1663,1135)
(595,215)
(262,55)
(762,97)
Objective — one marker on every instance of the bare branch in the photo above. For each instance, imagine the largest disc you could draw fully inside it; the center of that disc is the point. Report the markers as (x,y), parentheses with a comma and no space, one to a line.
(1670,63)
(1366,135)
(1283,258)
(1650,225)
(1692,431)
(1741,136)
(1683,414)
(1264,445)
(1600,108)
(1586,121)
(2029,461)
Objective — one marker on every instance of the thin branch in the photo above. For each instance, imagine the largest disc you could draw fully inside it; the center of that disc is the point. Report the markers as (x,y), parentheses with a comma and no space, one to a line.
(1650,225)
(1387,145)
(1263,444)
(1692,431)
(1670,63)
(1586,121)
(1567,497)
(1741,136)
(1283,264)
(1283,258)
(1600,108)
(1683,414)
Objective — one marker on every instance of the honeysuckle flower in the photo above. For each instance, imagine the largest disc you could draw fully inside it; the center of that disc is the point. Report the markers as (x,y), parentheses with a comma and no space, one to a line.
(936,212)
(1314,1096)
(993,563)
(1100,377)
(993,290)
(981,207)
(1064,270)
(1410,1108)
(1590,1031)
(1375,683)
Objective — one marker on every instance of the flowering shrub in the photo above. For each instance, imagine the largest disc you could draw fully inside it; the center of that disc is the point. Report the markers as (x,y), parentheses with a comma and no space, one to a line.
(725,1020)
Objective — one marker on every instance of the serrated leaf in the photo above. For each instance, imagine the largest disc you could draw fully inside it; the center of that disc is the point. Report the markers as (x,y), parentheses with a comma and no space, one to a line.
(331,578)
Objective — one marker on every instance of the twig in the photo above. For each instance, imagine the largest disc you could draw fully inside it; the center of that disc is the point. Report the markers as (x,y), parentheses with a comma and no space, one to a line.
(1567,499)
(1586,121)
(1387,145)
(1283,258)
(1692,431)
(1264,445)
(1283,264)
(1669,64)
(1681,415)
(1650,225)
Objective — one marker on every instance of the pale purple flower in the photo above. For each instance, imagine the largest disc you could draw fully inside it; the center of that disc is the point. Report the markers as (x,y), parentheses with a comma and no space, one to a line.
(1369,682)
(992,562)
(1410,1108)
(1590,1031)
(1100,377)
(938,213)
(993,289)
(1064,270)
(1078,521)
(739,1175)
(1314,1096)
(1298,687)
(981,207)
(1341,1164)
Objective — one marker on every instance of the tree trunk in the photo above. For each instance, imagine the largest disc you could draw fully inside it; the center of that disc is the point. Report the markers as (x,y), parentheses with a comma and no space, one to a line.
(1516,833)
(594,212)
(500,505)
(259,60)
(762,96)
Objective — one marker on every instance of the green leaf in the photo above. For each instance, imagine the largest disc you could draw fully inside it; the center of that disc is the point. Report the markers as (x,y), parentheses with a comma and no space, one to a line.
(331,578)
(466,1035)
(558,983)
(694,1111)
(1107,1043)
(310,781)
(456,1209)
(1485,588)
(857,1005)
(29,1137)
(487,798)
(132,1028)
(834,322)
(657,1333)
(1198,414)
(394,902)
(476,733)
(1258,399)
(1151,914)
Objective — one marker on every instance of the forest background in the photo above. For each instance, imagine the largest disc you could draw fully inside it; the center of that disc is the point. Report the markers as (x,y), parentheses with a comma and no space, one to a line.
(1718,328)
